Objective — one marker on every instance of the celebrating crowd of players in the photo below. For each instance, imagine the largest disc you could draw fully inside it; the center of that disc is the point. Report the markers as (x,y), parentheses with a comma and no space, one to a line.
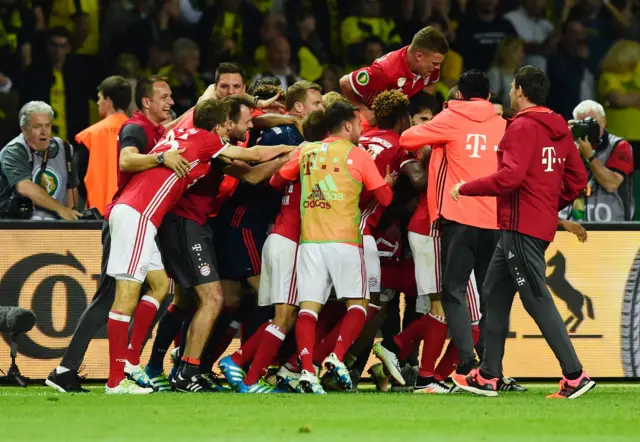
(298,217)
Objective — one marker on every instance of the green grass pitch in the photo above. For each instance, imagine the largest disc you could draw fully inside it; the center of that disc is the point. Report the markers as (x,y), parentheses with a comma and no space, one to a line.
(609,413)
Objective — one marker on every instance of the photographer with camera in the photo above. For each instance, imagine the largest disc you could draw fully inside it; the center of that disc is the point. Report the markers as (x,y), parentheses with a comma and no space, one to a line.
(608,196)
(37,179)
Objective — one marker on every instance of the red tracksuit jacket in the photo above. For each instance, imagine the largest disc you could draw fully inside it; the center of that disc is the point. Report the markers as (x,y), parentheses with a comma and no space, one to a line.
(539,172)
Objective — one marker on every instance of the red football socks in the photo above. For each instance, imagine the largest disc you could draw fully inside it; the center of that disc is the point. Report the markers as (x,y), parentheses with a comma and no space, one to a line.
(272,339)
(372,311)
(435,333)
(449,360)
(350,329)
(411,334)
(117,332)
(245,354)
(326,345)
(305,337)
(145,312)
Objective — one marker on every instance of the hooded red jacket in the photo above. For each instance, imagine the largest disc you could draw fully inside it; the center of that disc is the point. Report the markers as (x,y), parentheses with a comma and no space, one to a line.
(539,172)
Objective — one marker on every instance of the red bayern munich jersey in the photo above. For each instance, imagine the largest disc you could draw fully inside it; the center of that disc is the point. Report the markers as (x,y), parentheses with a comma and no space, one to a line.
(155,191)
(384,147)
(199,201)
(287,222)
(390,71)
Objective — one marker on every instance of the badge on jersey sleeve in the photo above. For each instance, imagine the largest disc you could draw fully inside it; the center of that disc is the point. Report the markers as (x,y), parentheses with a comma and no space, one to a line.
(362,78)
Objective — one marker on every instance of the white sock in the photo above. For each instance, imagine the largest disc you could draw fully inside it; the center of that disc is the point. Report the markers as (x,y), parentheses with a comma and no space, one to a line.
(60,369)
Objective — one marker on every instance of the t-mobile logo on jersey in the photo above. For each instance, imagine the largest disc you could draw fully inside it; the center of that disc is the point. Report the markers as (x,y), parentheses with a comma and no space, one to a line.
(549,158)
(474,144)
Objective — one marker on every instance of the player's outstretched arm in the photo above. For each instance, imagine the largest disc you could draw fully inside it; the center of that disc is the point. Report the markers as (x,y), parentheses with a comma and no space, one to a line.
(256,174)
(353,97)
(416,172)
(256,154)
(132,161)
(267,121)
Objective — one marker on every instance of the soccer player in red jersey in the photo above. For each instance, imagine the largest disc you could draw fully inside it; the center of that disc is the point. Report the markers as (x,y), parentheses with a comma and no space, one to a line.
(277,269)
(411,69)
(142,205)
(137,137)
(195,267)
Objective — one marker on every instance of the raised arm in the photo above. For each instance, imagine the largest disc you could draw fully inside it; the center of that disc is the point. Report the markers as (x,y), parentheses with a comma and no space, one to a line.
(256,154)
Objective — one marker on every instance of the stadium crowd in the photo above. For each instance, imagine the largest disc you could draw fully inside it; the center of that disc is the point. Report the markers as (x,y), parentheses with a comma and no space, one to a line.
(297,203)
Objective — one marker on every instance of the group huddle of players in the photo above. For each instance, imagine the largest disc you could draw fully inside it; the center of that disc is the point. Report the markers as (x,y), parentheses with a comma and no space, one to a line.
(297,226)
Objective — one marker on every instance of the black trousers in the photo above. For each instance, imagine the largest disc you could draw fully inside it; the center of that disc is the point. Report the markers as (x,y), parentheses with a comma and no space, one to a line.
(464,249)
(519,265)
(97,312)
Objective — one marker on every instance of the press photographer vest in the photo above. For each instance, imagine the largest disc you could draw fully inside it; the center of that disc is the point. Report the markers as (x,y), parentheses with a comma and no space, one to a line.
(600,205)
(55,177)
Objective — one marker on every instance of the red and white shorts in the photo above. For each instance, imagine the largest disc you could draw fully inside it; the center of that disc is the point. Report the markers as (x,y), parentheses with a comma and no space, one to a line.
(326,265)
(278,273)
(427,257)
(134,251)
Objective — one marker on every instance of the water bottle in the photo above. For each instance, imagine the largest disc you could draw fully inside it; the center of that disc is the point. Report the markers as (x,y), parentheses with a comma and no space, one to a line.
(577,211)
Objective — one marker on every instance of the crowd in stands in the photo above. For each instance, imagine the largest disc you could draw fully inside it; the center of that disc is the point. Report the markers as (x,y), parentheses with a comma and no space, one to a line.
(59,51)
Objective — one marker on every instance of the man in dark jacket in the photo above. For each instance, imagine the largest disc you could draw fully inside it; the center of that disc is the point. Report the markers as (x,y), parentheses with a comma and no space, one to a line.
(534,180)
(62,81)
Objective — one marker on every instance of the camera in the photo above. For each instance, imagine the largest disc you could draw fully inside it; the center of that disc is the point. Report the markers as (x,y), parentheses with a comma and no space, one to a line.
(90,214)
(16,207)
(587,128)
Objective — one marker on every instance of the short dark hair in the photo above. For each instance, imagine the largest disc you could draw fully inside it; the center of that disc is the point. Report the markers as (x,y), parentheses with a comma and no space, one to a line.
(534,83)
(118,90)
(313,126)
(430,39)
(235,103)
(144,88)
(228,68)
(265,80)
(474,84)
(389,107)
(298,92)
(209,113)
(267,91)
(423,101)
(373,40)
(337,114)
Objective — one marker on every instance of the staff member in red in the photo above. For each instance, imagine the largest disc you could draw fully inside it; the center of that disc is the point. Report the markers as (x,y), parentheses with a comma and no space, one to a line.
(410,69)
(464,137)
(539,172)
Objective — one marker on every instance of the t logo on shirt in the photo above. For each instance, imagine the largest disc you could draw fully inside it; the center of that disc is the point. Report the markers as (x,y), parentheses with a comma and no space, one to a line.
(549,157)
(475,139)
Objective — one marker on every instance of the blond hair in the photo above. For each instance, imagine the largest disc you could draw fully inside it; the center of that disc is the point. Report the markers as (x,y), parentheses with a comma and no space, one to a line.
(331,97)
(621,58)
